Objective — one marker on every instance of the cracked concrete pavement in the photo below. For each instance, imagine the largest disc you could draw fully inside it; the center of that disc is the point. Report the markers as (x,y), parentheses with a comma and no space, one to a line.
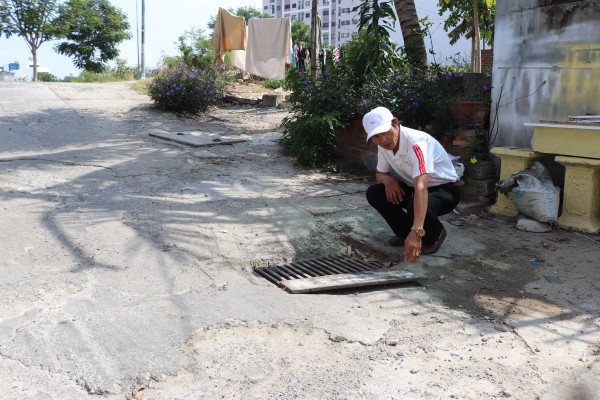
(127,264)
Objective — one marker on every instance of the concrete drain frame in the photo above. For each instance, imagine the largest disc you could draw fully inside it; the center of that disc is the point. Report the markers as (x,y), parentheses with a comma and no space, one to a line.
(334,272)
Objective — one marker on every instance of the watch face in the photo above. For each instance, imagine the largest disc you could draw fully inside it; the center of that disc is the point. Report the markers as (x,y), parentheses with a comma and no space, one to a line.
(421,232)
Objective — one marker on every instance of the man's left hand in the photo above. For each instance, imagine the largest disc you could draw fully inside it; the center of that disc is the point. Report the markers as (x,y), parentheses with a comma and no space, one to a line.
(412,248)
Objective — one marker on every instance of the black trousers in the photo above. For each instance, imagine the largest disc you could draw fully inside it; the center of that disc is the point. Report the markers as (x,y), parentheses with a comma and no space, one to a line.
(441,200)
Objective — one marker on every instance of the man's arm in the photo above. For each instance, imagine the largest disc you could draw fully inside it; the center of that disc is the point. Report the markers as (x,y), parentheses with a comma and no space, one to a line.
(393,190)
(412,244)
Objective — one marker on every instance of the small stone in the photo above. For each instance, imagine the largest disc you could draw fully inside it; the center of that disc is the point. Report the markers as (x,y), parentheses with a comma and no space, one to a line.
(392,343)
(506,393)
(484,339)
(415,312)
(413,371)
(501,328)
(537,350)
(400,354)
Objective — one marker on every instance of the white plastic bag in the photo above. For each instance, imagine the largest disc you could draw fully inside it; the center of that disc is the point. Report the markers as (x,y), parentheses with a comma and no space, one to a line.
(537,199)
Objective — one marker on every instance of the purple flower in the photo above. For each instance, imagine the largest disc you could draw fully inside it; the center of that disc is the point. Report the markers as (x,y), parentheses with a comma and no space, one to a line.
(448,75)
(210,92)
(328,108)
(324,97)
(160,95)
(234,85)
(391,73)
(459,74)
(389,100)
(364,102)
(174,85)
(485,87)
(412,98)
(303,82)
(325,72)
(222,66)
(387,85)
(402,90)
(149,73)
(180,62)
(301,73)
(171,74)
(415,104)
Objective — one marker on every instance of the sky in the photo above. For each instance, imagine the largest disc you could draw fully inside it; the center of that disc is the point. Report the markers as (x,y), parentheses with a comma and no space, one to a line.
(166,21)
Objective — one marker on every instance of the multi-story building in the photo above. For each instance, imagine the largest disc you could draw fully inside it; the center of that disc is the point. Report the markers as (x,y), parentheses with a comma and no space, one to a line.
(338,22)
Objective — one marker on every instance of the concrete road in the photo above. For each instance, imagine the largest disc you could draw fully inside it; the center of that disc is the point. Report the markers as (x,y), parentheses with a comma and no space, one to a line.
(127,262)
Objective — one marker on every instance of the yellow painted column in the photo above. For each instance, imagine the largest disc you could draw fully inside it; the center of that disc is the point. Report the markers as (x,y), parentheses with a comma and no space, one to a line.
(512,159)
(581,199)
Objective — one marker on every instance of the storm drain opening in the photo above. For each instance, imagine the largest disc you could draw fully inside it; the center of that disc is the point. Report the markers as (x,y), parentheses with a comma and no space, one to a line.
(334,272)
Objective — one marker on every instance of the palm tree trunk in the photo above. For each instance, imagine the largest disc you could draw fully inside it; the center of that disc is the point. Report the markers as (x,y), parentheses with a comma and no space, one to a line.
(413,40)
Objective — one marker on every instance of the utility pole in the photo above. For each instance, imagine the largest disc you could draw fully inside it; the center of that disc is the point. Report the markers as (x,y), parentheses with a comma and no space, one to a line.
(313,42)
(143,66)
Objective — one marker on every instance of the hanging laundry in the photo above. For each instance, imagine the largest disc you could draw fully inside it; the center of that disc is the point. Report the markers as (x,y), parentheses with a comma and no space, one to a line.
(302,59)
(269,44)
(238,59)
(229,34)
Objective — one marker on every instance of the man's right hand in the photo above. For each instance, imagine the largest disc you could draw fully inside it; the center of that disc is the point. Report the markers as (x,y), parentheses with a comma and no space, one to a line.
(393,190)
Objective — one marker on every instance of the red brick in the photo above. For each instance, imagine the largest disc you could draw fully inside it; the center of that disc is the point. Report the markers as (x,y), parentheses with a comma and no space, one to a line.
(355,153)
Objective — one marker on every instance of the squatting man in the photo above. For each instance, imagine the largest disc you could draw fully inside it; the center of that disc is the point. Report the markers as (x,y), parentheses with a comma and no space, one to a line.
(427,185)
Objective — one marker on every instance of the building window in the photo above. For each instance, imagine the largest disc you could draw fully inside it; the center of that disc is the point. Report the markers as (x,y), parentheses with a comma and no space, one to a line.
(325,1)
(266,7)
(325,24)
(278,8)
(346,22)
(307,3)
(345,10)
(294,5)
(344,35)
(333,24)
(332,12)
(307,15)
(325,36)
(271,1)
(287,7)
(293,17)
(325,12)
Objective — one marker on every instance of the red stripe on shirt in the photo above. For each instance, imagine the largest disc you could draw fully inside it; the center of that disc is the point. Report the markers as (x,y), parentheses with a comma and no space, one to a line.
(421,159)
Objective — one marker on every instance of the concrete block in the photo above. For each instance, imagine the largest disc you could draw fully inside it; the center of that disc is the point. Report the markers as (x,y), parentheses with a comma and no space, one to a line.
(479,187)
(271,100)
(480,170)
(371,161)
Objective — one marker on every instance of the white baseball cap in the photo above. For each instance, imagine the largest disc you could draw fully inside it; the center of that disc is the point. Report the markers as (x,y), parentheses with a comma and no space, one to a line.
(377,120)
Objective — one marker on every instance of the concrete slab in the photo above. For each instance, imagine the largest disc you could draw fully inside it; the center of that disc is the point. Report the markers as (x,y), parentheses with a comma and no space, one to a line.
(196,138)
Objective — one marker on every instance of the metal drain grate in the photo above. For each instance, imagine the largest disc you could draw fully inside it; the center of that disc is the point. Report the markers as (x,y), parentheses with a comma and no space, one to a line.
(333,272)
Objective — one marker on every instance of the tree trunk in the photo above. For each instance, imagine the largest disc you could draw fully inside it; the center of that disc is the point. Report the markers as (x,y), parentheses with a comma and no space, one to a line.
(34,55)
(313,42)
(409,25)
(475,42)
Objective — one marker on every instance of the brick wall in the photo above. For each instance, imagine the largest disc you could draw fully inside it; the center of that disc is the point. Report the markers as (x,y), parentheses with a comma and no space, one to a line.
(353,148)
(487,60)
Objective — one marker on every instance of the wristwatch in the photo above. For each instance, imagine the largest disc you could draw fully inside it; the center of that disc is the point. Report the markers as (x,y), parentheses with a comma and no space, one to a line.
(420,231)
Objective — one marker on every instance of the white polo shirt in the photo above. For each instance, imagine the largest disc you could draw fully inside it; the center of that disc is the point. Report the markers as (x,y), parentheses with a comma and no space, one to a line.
(418,153)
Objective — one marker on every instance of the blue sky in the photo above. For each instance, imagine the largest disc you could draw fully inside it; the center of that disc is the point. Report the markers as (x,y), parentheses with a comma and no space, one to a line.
(165,21)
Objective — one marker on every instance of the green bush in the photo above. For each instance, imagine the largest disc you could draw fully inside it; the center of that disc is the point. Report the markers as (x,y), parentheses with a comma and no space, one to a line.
(183,88)
(272,84)
(47,77)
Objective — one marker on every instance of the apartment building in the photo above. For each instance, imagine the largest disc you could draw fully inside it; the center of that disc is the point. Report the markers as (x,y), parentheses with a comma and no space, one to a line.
(337,19)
